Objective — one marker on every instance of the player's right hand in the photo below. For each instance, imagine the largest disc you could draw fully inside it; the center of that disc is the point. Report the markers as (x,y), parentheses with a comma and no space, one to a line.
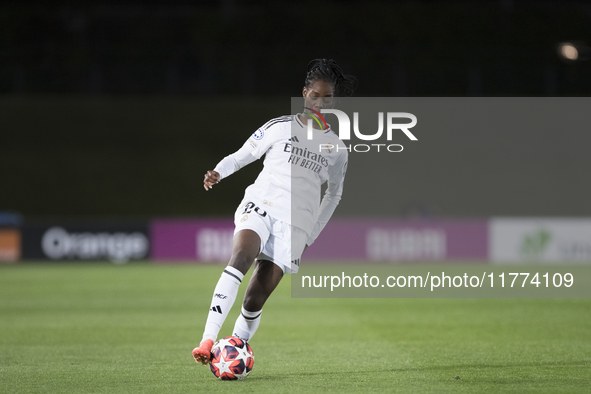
(211,178)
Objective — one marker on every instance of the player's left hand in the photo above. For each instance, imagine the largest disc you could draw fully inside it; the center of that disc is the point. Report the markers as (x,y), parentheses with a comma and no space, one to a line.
(211,178)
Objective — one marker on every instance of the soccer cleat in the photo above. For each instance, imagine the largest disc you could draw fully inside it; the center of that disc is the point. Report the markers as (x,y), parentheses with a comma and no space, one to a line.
(202,354)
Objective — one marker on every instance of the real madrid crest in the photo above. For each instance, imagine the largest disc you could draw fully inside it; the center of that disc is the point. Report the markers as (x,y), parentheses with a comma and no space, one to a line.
(328,147)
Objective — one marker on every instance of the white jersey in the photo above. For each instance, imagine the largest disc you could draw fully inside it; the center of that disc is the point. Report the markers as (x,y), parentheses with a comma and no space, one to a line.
(288,187)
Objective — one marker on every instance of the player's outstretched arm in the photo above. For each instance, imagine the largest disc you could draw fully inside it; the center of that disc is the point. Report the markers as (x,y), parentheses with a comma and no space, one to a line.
(229,165)
(249,152)
(211,178)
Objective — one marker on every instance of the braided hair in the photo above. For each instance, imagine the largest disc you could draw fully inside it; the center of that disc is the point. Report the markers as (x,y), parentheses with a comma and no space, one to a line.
(328,70)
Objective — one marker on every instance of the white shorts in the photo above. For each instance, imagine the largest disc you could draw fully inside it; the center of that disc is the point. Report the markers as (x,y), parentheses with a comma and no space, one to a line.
(281,243)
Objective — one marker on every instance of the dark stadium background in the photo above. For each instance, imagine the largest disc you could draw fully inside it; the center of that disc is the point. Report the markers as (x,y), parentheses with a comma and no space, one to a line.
(118,109)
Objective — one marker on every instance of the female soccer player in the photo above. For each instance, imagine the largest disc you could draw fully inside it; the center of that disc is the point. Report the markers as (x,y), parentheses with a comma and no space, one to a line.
(281,213)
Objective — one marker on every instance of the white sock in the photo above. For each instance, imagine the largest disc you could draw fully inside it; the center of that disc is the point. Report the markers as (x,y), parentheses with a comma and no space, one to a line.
(222,301)
(247,324)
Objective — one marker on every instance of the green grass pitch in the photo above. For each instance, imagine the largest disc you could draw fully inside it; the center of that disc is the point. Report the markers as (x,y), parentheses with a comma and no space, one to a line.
(101,328)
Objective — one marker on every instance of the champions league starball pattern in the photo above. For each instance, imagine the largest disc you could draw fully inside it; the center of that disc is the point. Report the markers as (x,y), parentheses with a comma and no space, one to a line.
(232,359)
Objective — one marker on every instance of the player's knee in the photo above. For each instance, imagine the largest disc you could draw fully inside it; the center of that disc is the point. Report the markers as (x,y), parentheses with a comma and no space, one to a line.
(241,261)
(253,303)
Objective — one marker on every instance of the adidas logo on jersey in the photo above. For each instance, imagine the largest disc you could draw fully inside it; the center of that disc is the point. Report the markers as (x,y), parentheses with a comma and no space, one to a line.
(216,309)
(294,139)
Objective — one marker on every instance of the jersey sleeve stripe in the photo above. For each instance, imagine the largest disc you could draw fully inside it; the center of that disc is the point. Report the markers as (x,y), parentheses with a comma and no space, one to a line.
(275,121)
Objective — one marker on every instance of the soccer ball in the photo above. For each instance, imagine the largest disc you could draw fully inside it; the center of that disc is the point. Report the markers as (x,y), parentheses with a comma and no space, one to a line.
(232,359)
